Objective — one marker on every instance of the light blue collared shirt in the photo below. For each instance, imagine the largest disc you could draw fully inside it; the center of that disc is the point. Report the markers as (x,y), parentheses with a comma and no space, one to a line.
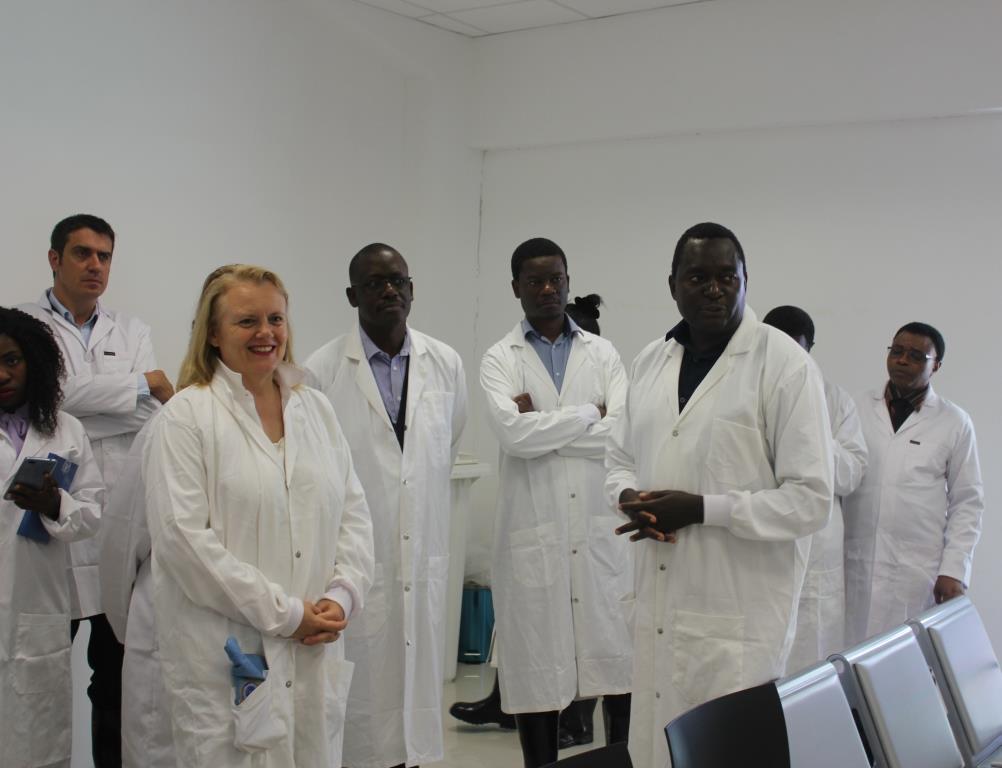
(388,371)
(85,333)
(553,354)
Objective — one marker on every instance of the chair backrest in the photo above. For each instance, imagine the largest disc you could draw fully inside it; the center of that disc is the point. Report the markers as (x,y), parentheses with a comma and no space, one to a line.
(612,756)
(819,724)
(904,719)
(957,647)
(742,728)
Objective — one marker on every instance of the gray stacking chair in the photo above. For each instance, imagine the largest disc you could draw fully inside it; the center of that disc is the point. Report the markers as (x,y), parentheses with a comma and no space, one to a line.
(891,687)
(958,649)
(819,725)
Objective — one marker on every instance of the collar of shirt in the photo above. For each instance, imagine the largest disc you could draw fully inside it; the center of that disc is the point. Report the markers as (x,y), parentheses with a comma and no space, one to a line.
(570,328)
(371,350)
(683,335)
(915,399)
(15,424)
(57,305)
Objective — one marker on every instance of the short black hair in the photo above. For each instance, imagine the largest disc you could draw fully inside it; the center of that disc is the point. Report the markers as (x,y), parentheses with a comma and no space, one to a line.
(706,231)
(45,366)
(536,248)
(62,231)
(793,321)
(368,250)
(584,311)
(924,329)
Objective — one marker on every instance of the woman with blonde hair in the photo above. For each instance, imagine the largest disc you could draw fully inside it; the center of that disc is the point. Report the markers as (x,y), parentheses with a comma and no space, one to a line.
(259,531)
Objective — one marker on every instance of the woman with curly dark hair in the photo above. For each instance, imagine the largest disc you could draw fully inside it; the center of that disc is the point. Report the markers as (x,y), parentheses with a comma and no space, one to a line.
(36,522)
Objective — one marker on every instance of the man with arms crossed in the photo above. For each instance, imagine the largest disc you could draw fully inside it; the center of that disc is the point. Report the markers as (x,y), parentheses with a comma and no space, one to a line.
(912,525)
(560,577)
(722,461)
(113,386)
(400,396)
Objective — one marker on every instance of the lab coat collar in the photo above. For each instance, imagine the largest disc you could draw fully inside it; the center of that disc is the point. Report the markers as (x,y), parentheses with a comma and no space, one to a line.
(930,406)
(102,325)
(229,387)
(740,343)
(533,365)
(366,382)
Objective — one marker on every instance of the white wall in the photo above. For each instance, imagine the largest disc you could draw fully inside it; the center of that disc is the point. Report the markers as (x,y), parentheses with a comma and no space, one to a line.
(773,118)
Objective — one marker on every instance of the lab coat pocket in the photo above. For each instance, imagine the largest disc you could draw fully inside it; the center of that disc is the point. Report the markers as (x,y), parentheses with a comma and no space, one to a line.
(339,674)
(535,555)
(708,655)
(436,415)
(42,653)
(257,722)
(736,452)
(608,551)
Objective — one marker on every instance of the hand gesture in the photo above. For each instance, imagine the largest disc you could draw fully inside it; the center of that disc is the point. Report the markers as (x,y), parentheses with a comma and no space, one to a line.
(44,500)
(659,514)
(524,403)
(322,623)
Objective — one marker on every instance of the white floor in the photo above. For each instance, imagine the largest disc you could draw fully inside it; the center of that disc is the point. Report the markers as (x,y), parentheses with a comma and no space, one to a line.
(466,746)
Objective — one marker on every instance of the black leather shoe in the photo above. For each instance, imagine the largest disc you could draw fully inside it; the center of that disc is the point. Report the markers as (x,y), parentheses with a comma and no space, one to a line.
(577,724)
(484,712)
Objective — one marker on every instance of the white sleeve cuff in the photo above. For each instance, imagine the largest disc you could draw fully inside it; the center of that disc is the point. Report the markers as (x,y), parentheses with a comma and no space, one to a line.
(589,413)
(717,510)
(342,597)
(296,610)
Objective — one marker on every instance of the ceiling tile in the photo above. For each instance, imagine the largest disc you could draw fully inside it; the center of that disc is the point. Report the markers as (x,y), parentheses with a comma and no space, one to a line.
(445,22)
(448,6)
(599,8)
(520,15)
(397,6)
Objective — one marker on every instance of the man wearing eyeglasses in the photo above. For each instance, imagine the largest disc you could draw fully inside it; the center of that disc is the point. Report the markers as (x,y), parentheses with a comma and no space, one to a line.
(400,397)
(912,525)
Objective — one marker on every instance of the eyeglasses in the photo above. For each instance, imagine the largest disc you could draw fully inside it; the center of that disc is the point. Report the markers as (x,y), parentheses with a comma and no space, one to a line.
(376,284)
(913,354)
(557,281)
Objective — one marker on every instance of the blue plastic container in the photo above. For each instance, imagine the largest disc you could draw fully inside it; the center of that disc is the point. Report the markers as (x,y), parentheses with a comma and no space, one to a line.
(476,623)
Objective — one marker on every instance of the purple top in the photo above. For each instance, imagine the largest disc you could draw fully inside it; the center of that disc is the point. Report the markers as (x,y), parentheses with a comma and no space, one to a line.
(16,426)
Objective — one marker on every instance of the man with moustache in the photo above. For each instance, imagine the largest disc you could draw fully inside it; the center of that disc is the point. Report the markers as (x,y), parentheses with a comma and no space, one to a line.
(400,397)
(912,525)
(722,461)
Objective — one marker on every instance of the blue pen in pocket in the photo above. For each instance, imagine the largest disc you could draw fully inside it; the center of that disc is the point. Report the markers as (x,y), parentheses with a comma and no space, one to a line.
(249,670)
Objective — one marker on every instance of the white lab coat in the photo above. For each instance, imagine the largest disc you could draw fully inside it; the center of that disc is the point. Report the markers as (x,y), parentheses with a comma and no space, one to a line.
(101,389)
(915,516)
(35,680)
(716,612)
(240,533)
(821,614)
(395,705)
(562,580)
(127,599)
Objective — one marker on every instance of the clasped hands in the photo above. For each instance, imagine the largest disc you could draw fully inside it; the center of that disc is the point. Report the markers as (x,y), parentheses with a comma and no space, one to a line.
(322,622)
(658,514)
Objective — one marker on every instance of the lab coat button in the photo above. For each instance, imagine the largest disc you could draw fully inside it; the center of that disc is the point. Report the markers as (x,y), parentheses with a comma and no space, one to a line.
(576,600)
(674,433)
(657,694)
(406,481)
(574,551)
(288,683)
(574,495)
(407,587)
(407,537)
(662,567)
(298,553)
(661,630)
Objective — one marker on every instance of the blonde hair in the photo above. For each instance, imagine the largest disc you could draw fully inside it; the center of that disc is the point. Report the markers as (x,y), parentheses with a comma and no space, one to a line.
(199,364)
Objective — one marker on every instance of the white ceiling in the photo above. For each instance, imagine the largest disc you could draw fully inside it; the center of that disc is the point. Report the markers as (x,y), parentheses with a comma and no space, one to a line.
(476,18)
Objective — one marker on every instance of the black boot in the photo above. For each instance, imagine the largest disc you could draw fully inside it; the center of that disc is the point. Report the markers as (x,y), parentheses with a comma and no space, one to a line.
(537,733)
(616,717)
(484,711)
(577,723)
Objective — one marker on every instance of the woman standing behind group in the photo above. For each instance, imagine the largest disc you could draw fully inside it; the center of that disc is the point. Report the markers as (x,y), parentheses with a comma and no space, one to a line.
(260,531)
(35,682)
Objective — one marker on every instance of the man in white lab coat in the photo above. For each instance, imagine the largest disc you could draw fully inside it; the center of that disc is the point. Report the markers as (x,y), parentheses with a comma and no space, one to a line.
(400,396)
(912,525)
(113,386)
(821,614)
(723,463)
(561,581)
